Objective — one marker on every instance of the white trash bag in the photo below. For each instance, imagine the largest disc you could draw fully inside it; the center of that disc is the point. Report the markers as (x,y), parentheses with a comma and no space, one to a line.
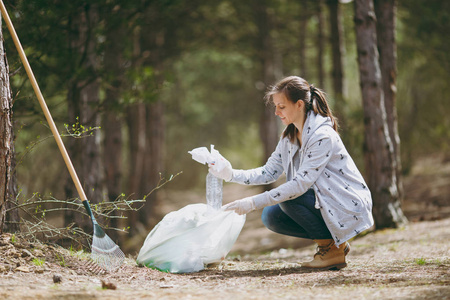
(186,240)
(190,238)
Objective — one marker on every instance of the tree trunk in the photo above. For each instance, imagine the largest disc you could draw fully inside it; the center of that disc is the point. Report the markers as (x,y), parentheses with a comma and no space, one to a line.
(153,159)
(146,122)
(136,124)
(338,52)
(112,159)
(136,116)
(268,121)
(320,44)
(12,223)
(6,133)
(385,11)
(113,118)
(155,43)
(302,40)
(378,149)
(92,169)
(83,106)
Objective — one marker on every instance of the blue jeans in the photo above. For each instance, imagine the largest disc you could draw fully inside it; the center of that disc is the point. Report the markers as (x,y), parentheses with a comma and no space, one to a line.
(297,217)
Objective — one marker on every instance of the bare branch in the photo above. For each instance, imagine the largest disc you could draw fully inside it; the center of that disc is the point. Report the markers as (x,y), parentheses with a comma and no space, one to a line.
(36,210)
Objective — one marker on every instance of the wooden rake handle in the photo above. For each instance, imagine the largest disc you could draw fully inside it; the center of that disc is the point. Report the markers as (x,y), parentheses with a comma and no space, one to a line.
(44,107)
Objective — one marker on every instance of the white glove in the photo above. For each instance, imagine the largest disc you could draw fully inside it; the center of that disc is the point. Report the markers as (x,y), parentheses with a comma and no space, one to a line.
(241,207)
(222,169)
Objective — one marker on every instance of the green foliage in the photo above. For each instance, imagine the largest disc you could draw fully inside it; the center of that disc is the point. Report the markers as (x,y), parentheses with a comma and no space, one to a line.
(203,60)
(79,130)
(142,84)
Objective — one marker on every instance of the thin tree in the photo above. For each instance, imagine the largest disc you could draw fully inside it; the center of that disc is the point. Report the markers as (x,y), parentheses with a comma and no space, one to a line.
(337,53)
(378,148)
(136,125)
(112,118)
(83,102)
(155,42)
(265,45)
(320,43)
(386,22)
(304,17)
(5,133)
(154,39)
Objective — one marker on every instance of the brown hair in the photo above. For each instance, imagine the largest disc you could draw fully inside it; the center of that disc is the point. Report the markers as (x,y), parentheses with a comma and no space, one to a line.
(296,88)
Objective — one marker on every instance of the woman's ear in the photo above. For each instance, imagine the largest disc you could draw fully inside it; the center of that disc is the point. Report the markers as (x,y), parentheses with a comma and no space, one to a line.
(300,104)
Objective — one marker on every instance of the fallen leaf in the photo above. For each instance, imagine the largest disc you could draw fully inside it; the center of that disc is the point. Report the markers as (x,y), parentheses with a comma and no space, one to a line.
(108,285)
(24,269)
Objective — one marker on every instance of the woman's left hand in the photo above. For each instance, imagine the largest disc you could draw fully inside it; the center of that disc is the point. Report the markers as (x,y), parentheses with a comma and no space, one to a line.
(241,207)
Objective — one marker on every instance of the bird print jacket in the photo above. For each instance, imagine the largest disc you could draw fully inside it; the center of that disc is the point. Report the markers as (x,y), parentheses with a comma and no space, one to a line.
(321,163)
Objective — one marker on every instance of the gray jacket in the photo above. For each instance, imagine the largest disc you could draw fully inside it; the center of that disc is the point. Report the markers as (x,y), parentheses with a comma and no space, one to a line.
(322,163)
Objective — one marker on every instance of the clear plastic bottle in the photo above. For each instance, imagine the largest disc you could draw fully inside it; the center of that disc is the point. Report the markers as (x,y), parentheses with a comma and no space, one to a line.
(214,192)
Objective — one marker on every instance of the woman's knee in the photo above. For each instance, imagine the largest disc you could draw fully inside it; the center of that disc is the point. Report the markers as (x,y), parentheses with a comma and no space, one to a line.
(268,219)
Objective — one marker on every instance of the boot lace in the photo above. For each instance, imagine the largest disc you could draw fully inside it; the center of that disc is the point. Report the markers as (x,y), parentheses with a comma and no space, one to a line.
(322,250)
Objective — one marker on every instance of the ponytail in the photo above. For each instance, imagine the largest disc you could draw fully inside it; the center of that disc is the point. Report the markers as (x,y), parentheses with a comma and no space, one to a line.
(319,105)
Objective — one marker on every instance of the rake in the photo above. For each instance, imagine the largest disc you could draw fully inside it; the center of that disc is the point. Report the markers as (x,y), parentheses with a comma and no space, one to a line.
(104,251)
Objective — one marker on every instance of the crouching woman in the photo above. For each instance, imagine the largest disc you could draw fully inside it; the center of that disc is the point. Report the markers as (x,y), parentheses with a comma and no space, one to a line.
(325,197)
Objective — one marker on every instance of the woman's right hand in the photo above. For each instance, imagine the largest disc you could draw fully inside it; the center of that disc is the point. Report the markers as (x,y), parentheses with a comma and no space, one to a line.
(221,169)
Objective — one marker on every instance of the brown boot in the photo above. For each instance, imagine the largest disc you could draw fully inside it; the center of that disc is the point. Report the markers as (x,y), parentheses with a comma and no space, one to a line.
(328,256)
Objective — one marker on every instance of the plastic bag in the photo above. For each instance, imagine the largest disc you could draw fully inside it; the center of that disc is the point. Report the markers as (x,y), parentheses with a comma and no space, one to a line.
(190,238)
(203,156)
(186,240)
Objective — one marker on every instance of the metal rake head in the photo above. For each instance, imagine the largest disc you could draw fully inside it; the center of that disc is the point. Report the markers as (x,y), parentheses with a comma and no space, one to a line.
(105,252)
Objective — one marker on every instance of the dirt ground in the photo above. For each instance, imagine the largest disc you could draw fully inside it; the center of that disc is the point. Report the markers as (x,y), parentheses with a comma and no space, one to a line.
(407,263)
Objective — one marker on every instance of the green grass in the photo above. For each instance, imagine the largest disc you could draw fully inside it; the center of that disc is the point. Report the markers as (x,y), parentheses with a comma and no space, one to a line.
(420,261)
(38,262)
(61,260)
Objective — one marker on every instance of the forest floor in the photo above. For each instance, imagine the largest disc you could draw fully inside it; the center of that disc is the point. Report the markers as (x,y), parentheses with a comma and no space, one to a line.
(412,262)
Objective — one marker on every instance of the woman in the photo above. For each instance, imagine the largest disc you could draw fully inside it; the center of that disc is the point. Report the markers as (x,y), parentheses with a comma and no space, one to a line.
(325,197)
